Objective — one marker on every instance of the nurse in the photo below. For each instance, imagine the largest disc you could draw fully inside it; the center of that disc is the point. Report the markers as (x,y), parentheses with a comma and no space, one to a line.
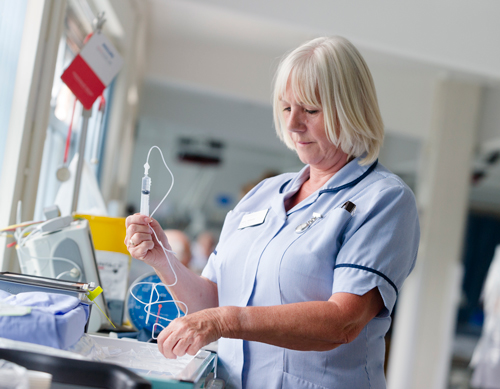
(300,287)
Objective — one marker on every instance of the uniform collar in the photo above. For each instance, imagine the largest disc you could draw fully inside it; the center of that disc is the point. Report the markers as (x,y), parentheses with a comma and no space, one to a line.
(348,176)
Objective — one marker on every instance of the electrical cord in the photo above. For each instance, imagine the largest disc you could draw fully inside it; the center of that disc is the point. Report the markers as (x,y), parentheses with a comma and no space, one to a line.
(52,259)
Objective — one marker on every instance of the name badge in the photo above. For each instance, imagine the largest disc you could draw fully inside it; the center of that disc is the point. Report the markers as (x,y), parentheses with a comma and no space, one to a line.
(253,219)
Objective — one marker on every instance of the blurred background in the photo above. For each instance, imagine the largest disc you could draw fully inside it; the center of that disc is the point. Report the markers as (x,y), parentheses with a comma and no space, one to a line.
(196,82)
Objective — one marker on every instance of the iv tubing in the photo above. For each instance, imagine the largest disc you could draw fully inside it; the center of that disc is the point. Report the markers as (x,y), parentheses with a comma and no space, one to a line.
(171,175)
(147,306)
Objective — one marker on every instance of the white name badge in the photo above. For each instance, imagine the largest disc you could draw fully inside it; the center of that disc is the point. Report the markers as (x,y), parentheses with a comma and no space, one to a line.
(253,219)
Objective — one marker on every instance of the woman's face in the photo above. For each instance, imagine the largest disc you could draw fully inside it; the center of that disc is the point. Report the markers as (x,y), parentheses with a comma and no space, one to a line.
(306,128)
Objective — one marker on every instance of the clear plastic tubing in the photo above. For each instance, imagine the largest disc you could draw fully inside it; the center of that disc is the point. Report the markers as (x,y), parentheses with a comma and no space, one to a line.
(145,189)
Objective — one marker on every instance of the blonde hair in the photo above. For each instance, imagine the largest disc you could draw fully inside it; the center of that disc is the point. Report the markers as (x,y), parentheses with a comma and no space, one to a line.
(330,73)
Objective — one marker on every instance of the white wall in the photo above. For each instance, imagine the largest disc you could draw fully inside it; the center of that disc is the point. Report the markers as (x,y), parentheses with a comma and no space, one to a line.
(168,111)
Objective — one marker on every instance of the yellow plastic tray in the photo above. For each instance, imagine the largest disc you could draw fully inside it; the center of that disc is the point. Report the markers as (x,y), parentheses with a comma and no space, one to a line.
(108,233)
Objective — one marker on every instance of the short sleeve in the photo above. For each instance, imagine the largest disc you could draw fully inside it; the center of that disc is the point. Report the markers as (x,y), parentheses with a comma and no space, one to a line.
(209,270)
(380,248)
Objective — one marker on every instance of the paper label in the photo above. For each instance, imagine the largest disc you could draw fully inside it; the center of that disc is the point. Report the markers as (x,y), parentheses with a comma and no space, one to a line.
(93,69)
(102,58)
(113,271)
(14,310)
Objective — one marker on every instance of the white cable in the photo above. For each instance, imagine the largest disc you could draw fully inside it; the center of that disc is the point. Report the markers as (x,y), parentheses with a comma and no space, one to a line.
(35,229)
(147,306)
(171,175)
(51,259)
(21,239)
(66,272)
(166,251)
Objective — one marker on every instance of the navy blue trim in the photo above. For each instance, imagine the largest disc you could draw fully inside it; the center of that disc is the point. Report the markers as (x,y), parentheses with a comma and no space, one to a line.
(339,188)
(352,183)
(283,186)
(215,252)
(370,270)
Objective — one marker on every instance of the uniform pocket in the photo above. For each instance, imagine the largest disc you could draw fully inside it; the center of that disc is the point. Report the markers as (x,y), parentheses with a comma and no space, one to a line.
(339,218)
(309,259)
(327,232)
(293,382)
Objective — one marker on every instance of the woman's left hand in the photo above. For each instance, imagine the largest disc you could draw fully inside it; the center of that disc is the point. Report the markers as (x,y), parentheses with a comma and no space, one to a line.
(188,334)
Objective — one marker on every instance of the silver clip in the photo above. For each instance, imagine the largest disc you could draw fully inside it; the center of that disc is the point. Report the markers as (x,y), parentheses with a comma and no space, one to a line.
(304,226)
(98,22)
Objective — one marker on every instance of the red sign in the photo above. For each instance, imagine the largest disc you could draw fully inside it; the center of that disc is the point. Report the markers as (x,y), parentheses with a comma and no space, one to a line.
(92,70)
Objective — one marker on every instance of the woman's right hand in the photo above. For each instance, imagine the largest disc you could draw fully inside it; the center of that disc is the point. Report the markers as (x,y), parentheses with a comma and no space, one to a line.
(142,243)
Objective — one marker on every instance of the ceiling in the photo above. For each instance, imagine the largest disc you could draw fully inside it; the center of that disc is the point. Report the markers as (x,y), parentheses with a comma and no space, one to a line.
(457,35)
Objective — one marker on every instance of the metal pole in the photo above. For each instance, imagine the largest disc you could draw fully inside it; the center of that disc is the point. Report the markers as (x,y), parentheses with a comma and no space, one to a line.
(86,114)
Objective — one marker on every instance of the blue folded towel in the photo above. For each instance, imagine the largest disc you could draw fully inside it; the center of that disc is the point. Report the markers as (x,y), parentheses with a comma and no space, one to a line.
(55,320)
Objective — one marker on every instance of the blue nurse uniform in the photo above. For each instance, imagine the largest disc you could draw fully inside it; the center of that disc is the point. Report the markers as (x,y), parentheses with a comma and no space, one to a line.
(270,263)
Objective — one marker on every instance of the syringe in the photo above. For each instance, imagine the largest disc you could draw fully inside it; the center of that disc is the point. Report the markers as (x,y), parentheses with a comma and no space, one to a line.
(145,189)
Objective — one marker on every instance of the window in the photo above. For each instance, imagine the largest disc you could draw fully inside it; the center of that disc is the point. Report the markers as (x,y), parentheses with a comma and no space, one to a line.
(61,144)
(11,29)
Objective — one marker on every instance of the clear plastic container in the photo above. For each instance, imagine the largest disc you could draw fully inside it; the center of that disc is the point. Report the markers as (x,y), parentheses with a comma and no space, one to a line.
(13,376)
